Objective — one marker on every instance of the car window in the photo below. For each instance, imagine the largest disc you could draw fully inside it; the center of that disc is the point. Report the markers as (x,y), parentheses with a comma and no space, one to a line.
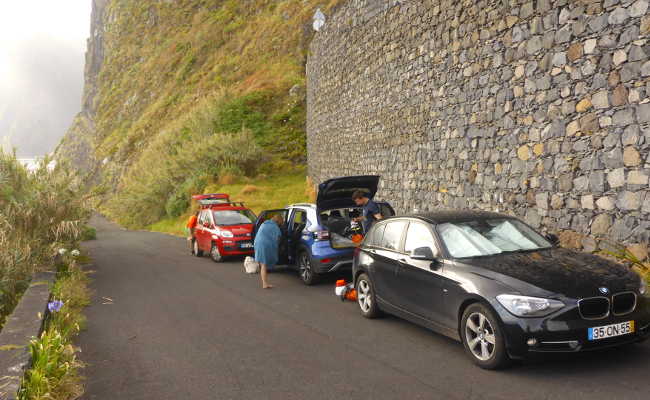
(299,221)
(487,237)
(375,236)
(393,235)
(418,235)
(233,217)
(268,214)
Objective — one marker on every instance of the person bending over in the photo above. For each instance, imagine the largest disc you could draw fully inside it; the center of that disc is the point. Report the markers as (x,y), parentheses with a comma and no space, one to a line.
(267,243)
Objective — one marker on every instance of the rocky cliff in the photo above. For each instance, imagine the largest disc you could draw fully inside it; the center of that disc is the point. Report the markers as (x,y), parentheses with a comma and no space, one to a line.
(167,81)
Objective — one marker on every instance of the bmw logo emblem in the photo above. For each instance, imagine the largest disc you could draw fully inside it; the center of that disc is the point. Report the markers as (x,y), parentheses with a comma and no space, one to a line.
(603,290)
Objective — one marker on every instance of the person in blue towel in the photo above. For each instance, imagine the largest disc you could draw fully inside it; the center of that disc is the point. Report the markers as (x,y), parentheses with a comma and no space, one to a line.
(267,243)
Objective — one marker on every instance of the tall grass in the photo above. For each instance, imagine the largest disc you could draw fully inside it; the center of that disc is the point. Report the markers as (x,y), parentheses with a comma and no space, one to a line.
(39,211)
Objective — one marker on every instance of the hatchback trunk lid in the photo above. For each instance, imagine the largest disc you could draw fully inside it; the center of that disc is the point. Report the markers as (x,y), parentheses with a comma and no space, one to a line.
(337,192)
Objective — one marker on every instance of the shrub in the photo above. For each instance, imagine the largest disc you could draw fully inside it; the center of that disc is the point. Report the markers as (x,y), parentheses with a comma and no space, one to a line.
(179,201)
(88,233)
(192,150)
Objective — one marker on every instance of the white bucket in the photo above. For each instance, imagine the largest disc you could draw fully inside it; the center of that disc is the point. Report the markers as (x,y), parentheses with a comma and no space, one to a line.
(251,266)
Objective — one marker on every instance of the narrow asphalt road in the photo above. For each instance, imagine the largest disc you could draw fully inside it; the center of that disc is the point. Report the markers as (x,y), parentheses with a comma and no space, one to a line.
(165,325)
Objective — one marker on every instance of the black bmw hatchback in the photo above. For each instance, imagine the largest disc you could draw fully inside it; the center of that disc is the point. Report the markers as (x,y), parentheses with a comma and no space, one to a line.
(502,289)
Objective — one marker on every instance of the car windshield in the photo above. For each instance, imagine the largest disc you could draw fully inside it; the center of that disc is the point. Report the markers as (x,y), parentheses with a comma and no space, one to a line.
(488,237)
(233,217)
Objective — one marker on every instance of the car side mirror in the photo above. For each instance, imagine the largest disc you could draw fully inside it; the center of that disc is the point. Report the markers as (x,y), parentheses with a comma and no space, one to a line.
(423,253)
(553,238)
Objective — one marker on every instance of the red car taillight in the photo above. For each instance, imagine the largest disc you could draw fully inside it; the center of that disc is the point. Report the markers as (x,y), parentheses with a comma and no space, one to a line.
(322,235)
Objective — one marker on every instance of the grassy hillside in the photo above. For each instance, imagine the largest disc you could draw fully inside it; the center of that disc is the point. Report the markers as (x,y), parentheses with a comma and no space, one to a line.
(193,90)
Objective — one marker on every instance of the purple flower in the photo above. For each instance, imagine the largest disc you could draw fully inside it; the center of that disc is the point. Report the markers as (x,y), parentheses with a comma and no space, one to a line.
(55,305)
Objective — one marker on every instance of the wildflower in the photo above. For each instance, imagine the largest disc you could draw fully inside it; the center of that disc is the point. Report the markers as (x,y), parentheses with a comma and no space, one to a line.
(75,253)
(62,251)
(55,305)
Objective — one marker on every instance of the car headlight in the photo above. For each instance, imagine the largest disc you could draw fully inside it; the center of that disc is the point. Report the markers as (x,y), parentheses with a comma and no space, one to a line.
(524,306)
(226,234)
(643,287)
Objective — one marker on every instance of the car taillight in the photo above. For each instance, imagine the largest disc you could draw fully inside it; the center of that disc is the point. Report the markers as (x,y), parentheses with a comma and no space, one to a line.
(322,235)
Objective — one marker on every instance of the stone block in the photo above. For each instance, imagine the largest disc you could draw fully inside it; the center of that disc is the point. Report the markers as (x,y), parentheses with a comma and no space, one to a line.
(637,178)
(600,100)
(601,224)
(619,96)
(628,201)
(616,178)
(606,203)
(618,16)
(523,153)
(590,46)
(643,112)
(620,56)
(631,157)
(638,9)
(583,105)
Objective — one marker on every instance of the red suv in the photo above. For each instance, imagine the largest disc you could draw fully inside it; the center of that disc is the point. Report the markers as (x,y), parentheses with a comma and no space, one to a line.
(224,228)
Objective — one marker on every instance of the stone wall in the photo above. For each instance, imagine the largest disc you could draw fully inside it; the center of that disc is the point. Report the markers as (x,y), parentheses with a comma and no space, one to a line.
(539,108)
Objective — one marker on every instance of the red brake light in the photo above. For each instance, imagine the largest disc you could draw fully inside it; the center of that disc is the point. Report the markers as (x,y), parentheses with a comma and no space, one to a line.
(326,260)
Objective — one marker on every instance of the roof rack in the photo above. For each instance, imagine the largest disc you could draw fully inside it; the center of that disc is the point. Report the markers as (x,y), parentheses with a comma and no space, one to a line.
(302,205)
(224,204)
(211,198)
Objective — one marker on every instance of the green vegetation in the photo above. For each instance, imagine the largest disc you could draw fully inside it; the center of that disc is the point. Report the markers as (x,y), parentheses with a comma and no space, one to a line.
(39,212)
(54,374)
(193,91)
(261,193)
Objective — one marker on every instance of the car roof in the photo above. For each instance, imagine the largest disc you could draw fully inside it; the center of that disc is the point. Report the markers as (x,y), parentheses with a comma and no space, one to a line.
(444,216)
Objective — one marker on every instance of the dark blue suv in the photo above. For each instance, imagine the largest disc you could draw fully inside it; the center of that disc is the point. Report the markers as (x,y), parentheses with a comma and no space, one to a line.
(317,237)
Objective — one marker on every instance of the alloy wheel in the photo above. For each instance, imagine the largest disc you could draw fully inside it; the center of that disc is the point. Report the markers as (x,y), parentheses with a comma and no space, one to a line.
(364,296)
(304,267)
(480,337)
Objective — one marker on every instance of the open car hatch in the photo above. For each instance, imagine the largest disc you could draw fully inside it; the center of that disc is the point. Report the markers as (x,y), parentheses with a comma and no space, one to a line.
(337,192)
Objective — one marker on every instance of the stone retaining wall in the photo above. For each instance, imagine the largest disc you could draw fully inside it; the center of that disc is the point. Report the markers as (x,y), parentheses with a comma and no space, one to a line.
(24,324)
(536,108)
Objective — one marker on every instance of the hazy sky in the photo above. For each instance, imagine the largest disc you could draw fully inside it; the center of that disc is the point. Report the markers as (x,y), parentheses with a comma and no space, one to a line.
(42,46)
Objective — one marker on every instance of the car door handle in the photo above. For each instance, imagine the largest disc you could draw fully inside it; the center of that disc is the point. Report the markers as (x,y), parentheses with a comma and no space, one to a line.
(402,261)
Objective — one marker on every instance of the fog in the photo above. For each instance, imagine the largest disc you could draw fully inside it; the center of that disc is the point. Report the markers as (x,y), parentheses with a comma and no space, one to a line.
(42,46)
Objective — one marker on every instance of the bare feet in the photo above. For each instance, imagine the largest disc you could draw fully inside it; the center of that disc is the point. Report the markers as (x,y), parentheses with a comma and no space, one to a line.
(267,287)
